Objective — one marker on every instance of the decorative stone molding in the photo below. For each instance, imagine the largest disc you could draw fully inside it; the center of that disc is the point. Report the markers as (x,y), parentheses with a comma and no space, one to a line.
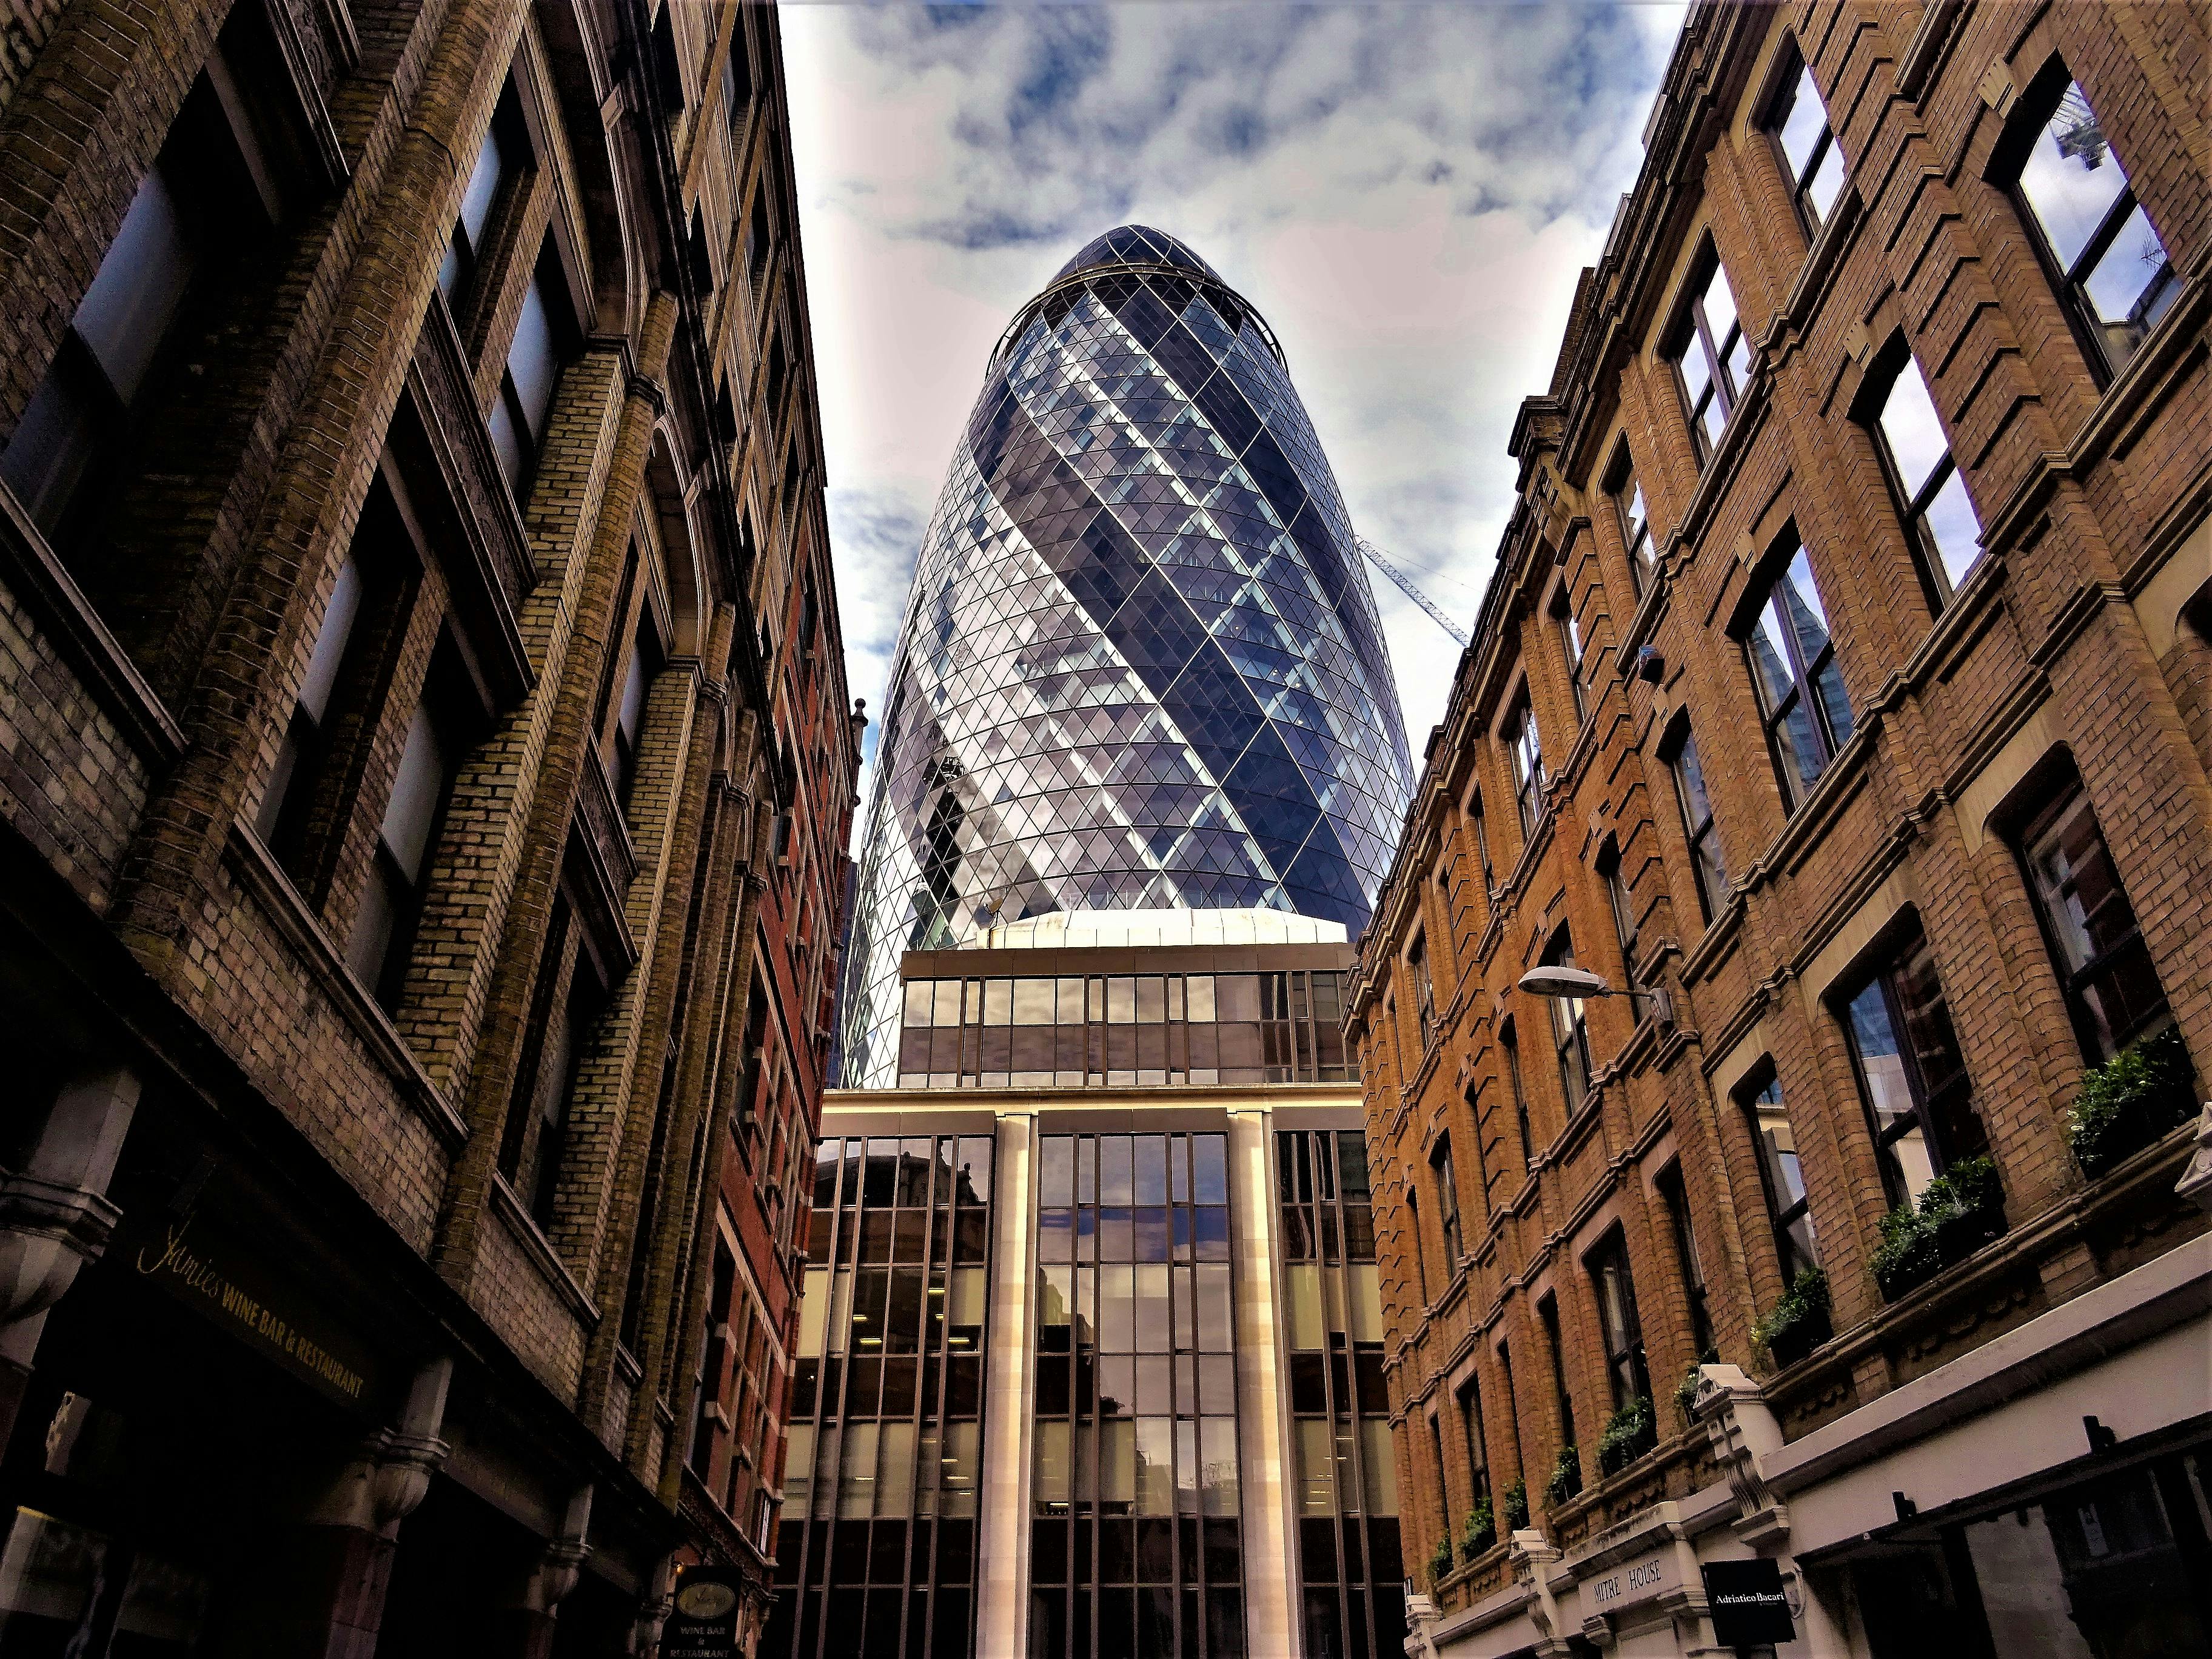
(47,1231)
(390,1474)
(2196,1183)
(1534,1559)
(1744,1433)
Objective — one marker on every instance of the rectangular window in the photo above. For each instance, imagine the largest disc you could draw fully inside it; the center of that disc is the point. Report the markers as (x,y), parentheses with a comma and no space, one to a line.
(1635,521)
(1617,1321)
(1780,1172)
(1508,1042)
(1571,647)
(1563,1401)
(1675,1196)
(1706,869)
(1939,516)
(2112,989)
(1801,700)
(205,198)
(627,728)
(2111,263)
(1468,1395)
(1623,907)
(1811,158)
(502,157)
(1424,991)
(1712,358)
(384,928)
(1481,832)
(1440,1164)
(1911,1075)
(1420,1251)
(298,757)
(1527,748)
(524,403)
(1134,1523)
(1570,1028)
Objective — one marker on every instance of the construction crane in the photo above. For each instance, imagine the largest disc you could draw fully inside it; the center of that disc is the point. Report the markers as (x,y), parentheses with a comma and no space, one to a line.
(1382,562)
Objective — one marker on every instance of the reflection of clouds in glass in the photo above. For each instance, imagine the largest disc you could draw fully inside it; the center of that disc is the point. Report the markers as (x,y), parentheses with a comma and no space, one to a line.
(1952,525)
(2070,197)
(2130,266)
(1916,436)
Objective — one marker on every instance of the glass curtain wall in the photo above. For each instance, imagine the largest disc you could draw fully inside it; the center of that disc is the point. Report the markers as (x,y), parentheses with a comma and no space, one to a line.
(1124,1030)
(876,1556)
(1135,1546)
(1350,1564)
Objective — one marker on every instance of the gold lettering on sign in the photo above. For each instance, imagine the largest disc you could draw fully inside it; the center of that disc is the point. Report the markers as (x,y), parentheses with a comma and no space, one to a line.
(175,1260)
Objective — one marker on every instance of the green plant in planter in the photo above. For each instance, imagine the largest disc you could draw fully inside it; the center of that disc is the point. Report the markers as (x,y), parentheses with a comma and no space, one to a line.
(1632,1432)
(1515,1500)
(1440,1560)
(1960,1210)
(1907,1256)
(2129,1101)
(1479,1531)
(1798,1323)
(1685,1393)
(1566,1478)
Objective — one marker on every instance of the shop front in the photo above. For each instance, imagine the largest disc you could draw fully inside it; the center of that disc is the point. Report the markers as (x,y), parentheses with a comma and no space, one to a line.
(2047,1496)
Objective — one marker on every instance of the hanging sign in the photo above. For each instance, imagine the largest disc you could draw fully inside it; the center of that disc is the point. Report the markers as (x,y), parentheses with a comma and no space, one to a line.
(703,1623)
(1748,1605)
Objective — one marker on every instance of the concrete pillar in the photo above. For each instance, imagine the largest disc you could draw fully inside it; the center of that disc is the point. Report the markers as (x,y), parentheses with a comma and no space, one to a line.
(55,1216)
(1263,1412)
(523,1629)
(327,1585)
(1002,1530)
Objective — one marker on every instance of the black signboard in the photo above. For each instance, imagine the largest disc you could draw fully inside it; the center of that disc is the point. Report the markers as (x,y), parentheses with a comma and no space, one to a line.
(703,1624)
(1749,1608)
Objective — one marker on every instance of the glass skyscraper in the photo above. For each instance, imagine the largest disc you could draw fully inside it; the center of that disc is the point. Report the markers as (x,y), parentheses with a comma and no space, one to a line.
(1140,667)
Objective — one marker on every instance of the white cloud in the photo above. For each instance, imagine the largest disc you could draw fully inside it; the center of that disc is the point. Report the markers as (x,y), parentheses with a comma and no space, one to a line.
(1405,192)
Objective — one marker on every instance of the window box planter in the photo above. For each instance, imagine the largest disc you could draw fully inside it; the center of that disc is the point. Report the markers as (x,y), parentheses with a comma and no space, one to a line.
(1961,1210)
(1798,1323)
(1632,1432)
(1566,1481)
(1479,1532)
(1440,1561)
(1685,1396)
(1515,1500)
(2135,1098)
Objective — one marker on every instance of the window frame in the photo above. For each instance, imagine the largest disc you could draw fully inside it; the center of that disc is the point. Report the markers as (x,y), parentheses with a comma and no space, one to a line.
(1569,1018)
(1792,1254)
(1706,873)
(1912,507)
(1909,951)
(1792,82)
(1425,990)
(1572,651)
(1692,331)
(1448,1207)
(2092,1028)
(2028,127)
(1625,490)
(1524,740)
(1467,1398)
(1805,691)
(1620,1327)
(1509,1040)
(1674,1193)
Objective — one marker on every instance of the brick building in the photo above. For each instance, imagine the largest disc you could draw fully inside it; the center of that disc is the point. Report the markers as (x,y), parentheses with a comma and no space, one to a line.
(1841,691)
(424,777)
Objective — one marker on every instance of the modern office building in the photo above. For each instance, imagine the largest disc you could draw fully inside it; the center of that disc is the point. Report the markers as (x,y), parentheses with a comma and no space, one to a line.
(1090,1357)
(1851,1300)
(1140,665)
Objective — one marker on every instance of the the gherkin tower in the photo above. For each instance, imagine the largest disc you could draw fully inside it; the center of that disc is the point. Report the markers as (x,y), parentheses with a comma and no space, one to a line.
(1140,667)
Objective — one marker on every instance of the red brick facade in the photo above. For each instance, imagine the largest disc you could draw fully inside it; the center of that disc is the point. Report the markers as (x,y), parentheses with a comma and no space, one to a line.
(2069,655)
(425,772)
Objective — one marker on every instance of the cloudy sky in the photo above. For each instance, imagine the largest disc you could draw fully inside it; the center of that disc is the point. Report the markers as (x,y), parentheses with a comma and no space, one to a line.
(1406,193)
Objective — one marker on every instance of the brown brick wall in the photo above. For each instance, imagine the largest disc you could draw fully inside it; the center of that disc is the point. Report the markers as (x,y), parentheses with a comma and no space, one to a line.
(149,674)
(2090,490)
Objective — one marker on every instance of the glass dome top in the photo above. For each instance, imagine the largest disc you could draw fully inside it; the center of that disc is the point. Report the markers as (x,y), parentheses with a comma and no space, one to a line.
(1134,245)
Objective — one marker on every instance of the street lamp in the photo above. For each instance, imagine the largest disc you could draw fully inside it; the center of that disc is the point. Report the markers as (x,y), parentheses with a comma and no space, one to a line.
(1579,984)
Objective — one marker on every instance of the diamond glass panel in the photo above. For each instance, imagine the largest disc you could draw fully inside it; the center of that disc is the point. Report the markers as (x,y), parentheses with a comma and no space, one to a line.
(1140,666)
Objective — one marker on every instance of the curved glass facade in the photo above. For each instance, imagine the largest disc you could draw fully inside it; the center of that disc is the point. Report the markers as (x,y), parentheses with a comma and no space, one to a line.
(1140,666)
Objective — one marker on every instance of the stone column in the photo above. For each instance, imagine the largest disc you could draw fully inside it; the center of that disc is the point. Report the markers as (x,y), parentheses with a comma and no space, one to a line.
(55,1216)
(329,1577)
(1002,1530)
(523,1629)
(1262,1410)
